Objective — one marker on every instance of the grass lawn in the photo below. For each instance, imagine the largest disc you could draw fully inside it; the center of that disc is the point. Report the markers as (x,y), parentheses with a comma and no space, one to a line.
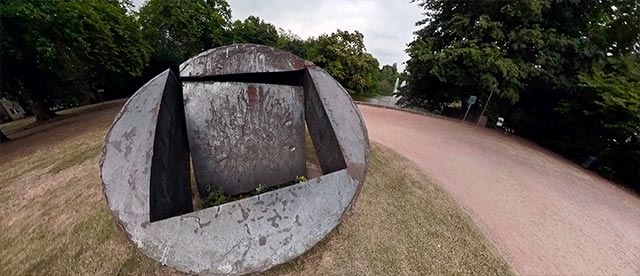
(54,220)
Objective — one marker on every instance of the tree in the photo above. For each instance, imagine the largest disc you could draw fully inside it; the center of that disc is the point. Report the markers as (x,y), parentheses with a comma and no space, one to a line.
(178,30)
(388,76)
(343,55)
(291,42)
(66,50)
(610,105)
(385,87)
(254,30)
(3,137)
(550,64)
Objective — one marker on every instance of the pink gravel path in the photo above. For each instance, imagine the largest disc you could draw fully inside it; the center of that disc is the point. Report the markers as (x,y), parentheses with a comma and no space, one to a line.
(545,215)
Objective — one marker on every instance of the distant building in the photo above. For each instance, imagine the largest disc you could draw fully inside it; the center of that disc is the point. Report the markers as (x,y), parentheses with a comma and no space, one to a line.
(10,110)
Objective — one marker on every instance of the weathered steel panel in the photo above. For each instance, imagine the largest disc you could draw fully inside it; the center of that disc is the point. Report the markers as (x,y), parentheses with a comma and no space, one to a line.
(320,129)
(243,135)
(346,122)
(127,154)
(240,59)
(252,234)
(170,189)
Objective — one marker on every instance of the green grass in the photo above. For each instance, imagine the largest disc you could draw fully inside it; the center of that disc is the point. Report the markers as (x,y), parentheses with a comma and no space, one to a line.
(19,124)
(30,121)
(54,221)
(75,157)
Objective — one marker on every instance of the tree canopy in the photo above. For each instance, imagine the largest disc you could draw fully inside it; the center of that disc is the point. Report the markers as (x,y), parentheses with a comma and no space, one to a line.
(343,55)
(66,49)
(254,30)
(388,76)
(177,30)
(564,72)
(84,51)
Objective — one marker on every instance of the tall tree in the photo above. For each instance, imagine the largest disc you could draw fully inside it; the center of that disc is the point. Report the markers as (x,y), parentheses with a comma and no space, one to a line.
(254,30)
(177,30)
(66,50)
(545,62)
(3,137)
(609,117)
(291,42)
(388,76)
(343,55)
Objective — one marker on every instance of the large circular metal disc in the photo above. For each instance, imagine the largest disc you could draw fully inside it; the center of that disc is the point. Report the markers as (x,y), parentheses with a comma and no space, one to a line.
(144,150)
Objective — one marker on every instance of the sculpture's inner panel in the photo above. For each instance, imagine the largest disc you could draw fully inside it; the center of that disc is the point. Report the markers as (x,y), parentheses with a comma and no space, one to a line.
(244,136)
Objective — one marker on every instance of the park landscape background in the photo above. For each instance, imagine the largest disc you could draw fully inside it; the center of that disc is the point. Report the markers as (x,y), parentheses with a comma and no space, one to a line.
(564,74)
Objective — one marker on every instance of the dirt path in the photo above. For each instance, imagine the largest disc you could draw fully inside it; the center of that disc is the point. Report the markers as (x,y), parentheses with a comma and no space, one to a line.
(547,216)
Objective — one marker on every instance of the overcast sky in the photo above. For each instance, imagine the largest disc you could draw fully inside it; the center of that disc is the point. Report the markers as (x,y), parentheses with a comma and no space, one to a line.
(387,25)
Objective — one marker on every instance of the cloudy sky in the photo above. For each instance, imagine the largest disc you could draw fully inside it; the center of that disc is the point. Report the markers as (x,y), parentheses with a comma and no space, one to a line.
(387,25)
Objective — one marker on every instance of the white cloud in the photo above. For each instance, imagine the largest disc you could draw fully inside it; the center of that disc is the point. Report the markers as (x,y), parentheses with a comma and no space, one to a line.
(387,25)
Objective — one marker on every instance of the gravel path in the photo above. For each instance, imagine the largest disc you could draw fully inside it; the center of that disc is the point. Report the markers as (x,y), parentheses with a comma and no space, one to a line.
(546,215)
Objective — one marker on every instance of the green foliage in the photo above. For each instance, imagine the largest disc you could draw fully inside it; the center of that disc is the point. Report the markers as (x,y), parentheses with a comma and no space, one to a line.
(177,30)
(301,178)
(254,30)
(388,76)
(214,197)
(343,55)
(563,73)
(67,49)
(384,87)
(70,50)
(292,43)
(611,109)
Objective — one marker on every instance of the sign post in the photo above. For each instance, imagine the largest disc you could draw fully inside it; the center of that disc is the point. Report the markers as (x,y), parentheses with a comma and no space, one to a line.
(485,107)
(470,102)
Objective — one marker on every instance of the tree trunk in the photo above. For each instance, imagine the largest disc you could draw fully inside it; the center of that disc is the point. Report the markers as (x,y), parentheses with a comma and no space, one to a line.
(36,89)
(3,137)
(40,109)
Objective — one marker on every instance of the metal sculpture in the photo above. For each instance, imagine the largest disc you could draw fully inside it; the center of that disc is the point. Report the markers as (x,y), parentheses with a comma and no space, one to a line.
(237,113)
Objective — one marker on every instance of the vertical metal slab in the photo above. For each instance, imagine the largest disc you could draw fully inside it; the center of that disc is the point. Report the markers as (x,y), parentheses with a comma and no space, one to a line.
(127,154)
(170,189)
(321,131)
(245,135)
(344,120)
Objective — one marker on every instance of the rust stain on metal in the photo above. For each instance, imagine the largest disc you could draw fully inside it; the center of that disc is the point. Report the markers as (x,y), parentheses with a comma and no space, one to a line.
(253,96)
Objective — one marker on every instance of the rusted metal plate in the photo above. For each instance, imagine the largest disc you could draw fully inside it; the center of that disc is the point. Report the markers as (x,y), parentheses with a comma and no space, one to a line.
(240,59)
(245,135)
